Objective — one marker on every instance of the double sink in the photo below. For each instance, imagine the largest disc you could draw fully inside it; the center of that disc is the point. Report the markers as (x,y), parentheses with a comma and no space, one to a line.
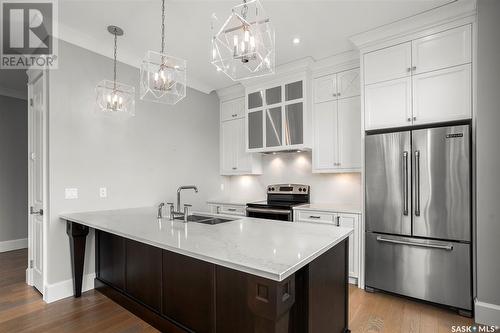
(203,219)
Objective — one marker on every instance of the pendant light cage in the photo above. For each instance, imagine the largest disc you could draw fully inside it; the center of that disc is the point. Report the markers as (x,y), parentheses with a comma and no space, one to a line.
(113,96)
(163,77)
(243,46)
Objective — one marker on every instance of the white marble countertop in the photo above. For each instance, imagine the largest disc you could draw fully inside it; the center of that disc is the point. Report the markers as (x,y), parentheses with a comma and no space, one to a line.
(334,208)
(266,248)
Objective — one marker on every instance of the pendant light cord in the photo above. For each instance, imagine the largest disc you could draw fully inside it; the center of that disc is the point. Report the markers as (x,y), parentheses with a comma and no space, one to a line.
(162,26)
(114,64)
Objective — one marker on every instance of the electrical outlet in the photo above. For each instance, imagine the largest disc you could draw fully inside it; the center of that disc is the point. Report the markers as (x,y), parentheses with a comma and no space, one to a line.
(71,193)
(103,192)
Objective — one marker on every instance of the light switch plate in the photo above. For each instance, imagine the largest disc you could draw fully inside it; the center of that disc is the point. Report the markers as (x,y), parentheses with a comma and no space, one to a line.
(103,192)
(71,193)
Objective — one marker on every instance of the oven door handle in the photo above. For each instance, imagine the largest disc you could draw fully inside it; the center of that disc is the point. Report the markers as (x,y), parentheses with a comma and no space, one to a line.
(266,210)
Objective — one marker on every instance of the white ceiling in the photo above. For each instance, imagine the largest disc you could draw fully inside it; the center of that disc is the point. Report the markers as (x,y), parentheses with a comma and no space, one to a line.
(323,27)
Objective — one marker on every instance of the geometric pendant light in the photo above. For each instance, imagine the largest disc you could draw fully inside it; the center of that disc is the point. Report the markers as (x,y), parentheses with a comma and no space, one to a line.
(113,96)
(163,77)
(243,46)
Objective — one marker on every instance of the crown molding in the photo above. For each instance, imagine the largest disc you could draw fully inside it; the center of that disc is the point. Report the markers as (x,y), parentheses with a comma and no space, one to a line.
(19,94)
(336,63)
(90,43)
(449,12)
(231,92)
(300,65)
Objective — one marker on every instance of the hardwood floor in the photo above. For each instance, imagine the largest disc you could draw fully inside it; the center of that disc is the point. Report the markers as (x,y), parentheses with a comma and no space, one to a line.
(22,309)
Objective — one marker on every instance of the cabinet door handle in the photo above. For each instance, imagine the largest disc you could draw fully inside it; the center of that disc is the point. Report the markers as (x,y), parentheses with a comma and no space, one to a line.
(414,118)
(338,95)
(338,221)
(414,68)
(408,69)
(409,119)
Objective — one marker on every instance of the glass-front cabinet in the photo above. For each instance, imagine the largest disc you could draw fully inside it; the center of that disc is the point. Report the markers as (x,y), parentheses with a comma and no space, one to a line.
(276,116)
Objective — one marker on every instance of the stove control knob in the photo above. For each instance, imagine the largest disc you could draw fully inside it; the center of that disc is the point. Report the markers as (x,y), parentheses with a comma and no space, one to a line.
(270,189)
(300,189)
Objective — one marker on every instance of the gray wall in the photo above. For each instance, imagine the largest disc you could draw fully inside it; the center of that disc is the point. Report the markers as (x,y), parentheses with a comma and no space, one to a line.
(488,154)
(141,160)
(13,168)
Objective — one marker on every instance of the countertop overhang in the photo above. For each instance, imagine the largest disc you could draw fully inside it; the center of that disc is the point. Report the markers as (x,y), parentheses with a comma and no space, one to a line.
(266,248)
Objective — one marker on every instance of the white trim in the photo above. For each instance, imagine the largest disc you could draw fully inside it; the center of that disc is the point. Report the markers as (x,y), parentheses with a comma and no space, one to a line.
(19,94)
(335,63)
(14,244)
(282,73)
(438,16)
(487,313)
(231,92)
(59,290)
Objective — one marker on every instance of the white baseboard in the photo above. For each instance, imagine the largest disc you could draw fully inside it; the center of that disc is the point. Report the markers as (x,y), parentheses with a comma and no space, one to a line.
(486,313)
(56,291)
(14,244)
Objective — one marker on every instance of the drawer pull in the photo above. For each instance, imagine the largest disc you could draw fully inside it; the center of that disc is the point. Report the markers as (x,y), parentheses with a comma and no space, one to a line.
(314,217)
(231,209)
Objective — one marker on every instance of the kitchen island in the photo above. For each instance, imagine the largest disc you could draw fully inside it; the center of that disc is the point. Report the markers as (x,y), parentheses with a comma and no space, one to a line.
(246,275)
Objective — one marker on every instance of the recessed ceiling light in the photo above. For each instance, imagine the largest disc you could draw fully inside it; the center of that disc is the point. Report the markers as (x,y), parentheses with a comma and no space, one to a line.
(296,40)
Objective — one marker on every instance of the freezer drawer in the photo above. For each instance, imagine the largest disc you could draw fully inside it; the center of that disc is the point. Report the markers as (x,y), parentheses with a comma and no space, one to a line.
(434,271)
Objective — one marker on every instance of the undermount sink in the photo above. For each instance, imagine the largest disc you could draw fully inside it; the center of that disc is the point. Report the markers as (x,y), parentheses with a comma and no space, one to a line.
(204,219)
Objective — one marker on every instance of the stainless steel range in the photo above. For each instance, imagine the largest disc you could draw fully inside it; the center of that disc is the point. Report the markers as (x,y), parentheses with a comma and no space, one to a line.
(280,201)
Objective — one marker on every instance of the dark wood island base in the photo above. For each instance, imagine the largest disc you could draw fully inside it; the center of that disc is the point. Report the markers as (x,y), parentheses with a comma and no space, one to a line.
(177,293)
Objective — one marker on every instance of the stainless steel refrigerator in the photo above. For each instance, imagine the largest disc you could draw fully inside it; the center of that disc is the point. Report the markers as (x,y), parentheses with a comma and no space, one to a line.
(418,214)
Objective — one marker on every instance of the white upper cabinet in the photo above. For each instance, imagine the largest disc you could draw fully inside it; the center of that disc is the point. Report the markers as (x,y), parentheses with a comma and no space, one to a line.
(334,86)
(442,95)
(349,133)
(348,83)
(277,116)
(445,49)
(387,64)
(388,104)
(435,87)
(234,160)
(325,150)
(228,134)
(232,109)
(337,125)
(325,88)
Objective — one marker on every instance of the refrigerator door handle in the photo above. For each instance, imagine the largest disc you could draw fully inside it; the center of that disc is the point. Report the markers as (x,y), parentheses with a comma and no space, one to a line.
(405,183)
(434,245)
(417,183)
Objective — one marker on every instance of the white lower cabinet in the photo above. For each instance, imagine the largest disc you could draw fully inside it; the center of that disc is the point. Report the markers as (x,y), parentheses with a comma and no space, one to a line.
(347,220)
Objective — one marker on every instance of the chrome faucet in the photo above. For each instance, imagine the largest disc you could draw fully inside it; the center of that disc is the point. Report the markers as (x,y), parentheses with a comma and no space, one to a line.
(187,187)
